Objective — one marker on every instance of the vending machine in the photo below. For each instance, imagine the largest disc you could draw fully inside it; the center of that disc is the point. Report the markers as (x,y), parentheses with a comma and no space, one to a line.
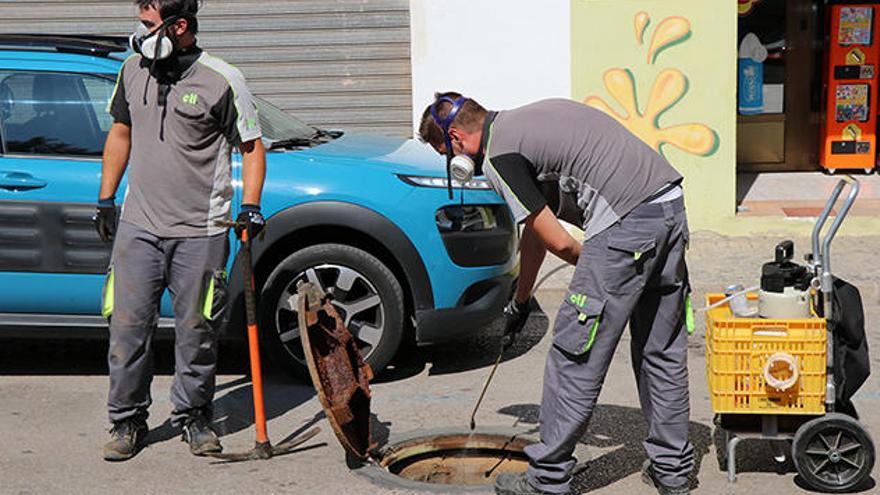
(849,129)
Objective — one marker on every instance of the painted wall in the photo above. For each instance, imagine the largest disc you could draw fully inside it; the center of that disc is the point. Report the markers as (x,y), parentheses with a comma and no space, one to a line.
(509,52)
(666,69)
(503,53)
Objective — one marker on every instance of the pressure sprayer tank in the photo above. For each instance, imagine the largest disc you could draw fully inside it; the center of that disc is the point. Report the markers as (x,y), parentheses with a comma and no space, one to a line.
(784,286)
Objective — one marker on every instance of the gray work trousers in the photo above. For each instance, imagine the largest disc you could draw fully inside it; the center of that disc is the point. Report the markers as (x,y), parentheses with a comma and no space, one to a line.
(632,272)
(142,266)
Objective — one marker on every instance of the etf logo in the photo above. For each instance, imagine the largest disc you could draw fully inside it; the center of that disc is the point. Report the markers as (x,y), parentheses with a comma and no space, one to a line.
(190,98)
(578,300)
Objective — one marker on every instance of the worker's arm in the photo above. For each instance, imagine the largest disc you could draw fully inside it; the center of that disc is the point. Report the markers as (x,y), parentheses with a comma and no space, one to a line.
(513,177)
(531,256)
(542,233)
(253,170)
(556,239)
(116,151)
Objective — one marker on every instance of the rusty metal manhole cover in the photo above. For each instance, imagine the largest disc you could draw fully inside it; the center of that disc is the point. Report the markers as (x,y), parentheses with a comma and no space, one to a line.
(340,375)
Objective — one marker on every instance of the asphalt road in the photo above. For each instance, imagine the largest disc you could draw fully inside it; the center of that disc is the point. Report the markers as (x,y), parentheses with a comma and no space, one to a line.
(53,419)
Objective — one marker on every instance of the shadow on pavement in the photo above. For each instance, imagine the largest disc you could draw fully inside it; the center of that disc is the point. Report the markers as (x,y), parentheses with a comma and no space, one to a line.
(753,455)
(621,428)
(89,357)
(756,456)
(867,486)
(380,431)
(233,403)
(477,352)
(233,409)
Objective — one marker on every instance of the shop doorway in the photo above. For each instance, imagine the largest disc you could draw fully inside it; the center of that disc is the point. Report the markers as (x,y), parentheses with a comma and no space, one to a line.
(779,97)
(782,156)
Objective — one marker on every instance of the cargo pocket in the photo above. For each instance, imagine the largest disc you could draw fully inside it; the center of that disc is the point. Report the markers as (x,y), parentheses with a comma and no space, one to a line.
(214,299)
(577,323)
(107,295)
(625,261)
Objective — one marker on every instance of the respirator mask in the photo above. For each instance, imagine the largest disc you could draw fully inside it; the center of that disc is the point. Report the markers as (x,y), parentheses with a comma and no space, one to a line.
(462,168)
(458,167)
(153,45)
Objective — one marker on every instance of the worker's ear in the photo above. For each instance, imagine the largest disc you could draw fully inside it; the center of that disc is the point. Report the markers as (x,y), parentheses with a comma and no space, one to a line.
(180,26)
(457,136)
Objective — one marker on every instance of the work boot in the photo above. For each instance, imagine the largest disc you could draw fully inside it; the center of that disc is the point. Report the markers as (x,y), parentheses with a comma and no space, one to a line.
(126,439)
(198,434)
(515,484)
(650,478)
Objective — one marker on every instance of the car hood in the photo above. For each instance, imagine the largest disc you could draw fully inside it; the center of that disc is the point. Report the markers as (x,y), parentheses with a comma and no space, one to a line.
(397,155)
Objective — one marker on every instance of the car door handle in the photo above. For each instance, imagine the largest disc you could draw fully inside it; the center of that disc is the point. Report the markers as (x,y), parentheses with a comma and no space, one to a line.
(20,181)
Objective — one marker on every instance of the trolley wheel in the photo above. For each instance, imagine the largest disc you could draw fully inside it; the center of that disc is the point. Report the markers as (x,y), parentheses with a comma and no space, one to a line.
(833,453)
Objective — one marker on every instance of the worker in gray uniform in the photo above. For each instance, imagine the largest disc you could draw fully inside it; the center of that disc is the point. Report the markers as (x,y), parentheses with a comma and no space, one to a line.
(558,159)
(178,112)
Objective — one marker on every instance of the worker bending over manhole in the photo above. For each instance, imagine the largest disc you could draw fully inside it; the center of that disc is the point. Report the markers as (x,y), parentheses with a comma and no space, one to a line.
(558,159)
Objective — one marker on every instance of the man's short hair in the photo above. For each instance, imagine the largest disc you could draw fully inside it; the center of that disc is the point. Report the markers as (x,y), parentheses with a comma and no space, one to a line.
(187,9)
(469,118)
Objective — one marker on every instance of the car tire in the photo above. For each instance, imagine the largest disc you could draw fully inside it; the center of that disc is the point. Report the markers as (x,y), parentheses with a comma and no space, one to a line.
(365,292)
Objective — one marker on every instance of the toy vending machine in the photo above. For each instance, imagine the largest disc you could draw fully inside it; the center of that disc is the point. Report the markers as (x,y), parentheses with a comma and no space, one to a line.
(849,130)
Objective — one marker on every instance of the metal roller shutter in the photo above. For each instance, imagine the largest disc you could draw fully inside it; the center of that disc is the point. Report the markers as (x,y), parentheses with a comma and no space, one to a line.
(336,64)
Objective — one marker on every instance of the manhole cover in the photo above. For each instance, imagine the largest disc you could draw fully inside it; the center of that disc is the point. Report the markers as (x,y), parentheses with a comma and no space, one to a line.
(440,460)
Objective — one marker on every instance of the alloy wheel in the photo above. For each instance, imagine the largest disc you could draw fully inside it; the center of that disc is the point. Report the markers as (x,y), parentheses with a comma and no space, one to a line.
(353,295)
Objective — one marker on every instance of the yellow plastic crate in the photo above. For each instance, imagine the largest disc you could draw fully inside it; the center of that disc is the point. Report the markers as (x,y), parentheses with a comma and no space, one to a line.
(737,350)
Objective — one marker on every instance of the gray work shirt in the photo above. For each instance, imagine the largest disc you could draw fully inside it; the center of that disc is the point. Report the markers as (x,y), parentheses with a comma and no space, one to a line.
(582,163)
(182,135)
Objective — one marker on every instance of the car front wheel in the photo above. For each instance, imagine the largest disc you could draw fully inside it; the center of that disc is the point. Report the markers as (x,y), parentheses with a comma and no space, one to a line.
(366,294)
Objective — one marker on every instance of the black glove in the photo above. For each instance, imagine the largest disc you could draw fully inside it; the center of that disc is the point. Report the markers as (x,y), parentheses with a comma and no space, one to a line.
(250,218)
(105,218)
(515,317)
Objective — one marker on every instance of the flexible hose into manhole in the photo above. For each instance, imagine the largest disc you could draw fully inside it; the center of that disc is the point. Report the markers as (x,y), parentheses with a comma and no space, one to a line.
(535,288)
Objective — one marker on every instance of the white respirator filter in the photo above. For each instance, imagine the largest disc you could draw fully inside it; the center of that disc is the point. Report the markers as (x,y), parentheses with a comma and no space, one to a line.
(462,168)
(148,45)
(153,50)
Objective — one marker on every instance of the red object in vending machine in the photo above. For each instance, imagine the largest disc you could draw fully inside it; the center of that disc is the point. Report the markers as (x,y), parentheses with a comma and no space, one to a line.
(849,129)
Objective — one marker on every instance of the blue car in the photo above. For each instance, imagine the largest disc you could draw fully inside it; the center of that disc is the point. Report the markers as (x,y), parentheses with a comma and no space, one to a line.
(368,218)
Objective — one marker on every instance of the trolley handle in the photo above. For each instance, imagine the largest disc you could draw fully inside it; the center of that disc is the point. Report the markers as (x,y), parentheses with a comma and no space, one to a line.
(823,217)
(832,231)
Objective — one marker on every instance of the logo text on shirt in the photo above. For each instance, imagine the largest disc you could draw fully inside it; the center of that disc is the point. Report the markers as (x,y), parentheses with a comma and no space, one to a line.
(190,98)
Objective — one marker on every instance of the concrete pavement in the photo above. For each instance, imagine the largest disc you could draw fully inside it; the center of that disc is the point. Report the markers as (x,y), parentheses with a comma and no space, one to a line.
(53,420)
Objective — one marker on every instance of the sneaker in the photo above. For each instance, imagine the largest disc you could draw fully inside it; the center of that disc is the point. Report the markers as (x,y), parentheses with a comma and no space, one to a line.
(198,434)
(515,484)
(650,478)
(126,439)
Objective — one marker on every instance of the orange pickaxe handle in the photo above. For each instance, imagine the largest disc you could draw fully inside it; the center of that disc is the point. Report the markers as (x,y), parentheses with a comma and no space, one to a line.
(250,305)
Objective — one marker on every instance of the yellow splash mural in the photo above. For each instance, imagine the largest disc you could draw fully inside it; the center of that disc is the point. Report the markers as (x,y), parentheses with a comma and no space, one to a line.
(668,89)
(641,21)
(670,32)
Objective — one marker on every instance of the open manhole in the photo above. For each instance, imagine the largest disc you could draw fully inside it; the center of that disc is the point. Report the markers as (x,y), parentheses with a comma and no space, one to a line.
(454,458)
(438,460)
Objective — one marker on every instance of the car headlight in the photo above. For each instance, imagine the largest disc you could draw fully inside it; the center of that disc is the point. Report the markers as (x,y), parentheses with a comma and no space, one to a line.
(465,218)
(440,182)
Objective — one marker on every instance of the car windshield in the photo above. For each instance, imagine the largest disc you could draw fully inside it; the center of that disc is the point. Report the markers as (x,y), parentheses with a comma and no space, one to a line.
(278,125)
